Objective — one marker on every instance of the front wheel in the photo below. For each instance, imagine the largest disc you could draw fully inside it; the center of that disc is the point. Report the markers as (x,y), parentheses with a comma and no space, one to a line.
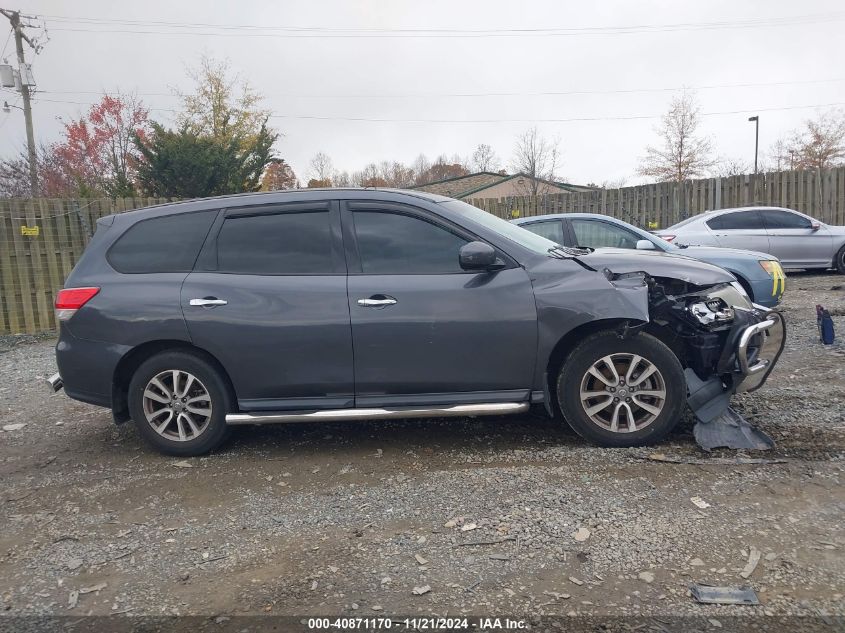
(622,391)
(179,403)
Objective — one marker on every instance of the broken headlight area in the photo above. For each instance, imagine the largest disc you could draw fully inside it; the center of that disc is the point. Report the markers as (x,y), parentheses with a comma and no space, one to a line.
(729,345)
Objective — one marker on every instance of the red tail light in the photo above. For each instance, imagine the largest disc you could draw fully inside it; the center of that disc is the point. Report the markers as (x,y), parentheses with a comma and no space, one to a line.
(668,238)
(69,300)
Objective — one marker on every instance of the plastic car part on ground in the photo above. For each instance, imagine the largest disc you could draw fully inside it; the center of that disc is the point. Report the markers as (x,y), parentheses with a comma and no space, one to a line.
(718,424)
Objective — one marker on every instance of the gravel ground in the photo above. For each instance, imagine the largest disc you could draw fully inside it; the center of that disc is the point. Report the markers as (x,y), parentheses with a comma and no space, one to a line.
(513,515)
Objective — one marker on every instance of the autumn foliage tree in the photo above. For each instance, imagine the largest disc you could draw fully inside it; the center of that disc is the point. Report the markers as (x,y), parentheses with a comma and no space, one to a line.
(820,143)
(96,156)
(278,176)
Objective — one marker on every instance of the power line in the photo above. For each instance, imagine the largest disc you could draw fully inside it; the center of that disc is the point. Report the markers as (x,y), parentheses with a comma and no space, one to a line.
(528,120)
(493,94)
(151,27)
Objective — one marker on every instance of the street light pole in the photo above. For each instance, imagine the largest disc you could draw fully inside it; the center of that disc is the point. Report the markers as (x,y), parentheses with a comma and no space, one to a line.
(756,120)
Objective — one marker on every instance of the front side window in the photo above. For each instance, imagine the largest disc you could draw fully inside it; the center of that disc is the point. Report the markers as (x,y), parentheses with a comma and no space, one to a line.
(776,219)
(166,244)
(550,229)
(749,220)
(293,243)
(597,234)
(397,244)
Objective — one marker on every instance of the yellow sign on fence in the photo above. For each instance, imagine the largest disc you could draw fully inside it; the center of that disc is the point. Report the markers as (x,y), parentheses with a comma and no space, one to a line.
(30,231)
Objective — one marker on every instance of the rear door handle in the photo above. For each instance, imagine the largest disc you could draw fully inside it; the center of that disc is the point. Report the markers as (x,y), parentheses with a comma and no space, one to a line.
(377,301)
(208,302)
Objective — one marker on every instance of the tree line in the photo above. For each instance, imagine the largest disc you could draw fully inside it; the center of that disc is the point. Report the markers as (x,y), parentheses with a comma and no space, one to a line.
(222,143)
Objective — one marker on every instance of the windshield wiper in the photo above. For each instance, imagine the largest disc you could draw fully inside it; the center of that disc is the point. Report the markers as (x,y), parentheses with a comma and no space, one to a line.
(565,252)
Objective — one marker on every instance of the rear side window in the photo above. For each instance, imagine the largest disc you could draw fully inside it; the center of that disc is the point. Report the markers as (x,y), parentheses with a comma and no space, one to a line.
(785,220)
(550,229)
(738,220)
(167,244)
(396,244)
(298,243)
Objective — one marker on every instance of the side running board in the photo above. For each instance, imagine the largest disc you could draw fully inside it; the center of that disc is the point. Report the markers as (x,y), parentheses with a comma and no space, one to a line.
(339,415)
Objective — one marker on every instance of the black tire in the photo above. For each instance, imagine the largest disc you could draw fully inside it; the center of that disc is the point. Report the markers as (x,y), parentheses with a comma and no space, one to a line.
(669,376)
(839,262)
(214,431)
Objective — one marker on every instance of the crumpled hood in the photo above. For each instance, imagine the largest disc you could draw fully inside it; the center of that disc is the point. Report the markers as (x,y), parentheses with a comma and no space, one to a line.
(717,252)
(621,260)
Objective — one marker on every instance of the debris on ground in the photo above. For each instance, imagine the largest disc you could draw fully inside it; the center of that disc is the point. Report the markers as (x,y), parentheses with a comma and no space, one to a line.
(420,591)
(699,502)
(706,594)
(581,534)
(753,558)
(14,427)
(730,430)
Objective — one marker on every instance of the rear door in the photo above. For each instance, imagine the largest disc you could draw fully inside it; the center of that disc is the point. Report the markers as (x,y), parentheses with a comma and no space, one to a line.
(268,299)
(425,331)
(795,242)
(740,229)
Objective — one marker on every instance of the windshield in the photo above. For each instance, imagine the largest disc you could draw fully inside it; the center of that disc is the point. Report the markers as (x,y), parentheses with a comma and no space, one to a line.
(515,233)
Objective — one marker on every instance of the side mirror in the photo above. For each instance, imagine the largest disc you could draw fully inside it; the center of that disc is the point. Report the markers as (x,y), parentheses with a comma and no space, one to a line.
(477,256)
(645,245)
(815,226)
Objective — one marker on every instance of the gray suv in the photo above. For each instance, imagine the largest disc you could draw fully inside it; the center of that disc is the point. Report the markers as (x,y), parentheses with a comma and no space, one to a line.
(362,304)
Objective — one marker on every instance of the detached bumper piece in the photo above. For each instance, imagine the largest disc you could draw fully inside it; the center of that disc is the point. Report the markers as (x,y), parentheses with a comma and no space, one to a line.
(755,344)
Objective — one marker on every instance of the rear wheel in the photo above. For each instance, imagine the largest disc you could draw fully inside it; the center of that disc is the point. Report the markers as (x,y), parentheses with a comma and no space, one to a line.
(622,392)
(840,261)
(179,403)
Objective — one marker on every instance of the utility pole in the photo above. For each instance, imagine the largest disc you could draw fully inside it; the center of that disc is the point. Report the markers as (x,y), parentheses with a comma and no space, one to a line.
(15,20)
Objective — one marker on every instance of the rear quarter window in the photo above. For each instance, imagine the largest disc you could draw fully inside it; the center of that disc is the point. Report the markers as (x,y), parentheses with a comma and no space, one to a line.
(166,244)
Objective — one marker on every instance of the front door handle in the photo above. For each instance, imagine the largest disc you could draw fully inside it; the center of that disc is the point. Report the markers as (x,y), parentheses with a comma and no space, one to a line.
(377,301)
(208,302)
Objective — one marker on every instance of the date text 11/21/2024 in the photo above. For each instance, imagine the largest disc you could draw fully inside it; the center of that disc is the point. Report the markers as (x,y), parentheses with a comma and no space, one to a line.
(418,624)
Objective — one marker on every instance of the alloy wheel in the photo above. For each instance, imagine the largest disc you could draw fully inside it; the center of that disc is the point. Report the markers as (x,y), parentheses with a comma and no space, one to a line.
(623,393)
(177,405)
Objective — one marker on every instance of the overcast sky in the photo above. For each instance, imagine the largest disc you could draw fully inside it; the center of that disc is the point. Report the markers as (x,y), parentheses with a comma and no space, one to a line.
(405,60)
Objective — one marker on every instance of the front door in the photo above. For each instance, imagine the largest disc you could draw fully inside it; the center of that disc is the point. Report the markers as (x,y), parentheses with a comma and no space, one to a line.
(268,299)
(795,242)
(425,331)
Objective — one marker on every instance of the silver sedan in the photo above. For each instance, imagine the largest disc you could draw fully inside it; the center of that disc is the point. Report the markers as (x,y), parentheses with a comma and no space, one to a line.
(797,240)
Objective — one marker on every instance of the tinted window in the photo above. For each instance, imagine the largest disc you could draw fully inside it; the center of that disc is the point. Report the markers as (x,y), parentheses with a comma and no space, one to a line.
(598,234)
(167,244)
(739,220)
(550,229)
(784,220)
(280,243)
(390,243)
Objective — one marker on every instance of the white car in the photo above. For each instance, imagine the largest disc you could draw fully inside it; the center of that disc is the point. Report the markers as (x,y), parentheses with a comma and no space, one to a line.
(797,240)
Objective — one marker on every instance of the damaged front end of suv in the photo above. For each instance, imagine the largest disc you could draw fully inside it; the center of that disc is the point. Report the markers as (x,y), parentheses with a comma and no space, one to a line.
(728,345)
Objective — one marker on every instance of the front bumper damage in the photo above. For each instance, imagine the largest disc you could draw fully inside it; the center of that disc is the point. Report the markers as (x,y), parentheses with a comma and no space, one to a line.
(730,346)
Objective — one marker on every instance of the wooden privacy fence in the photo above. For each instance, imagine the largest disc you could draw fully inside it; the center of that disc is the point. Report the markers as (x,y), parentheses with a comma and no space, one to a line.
(40,241)
(820,194)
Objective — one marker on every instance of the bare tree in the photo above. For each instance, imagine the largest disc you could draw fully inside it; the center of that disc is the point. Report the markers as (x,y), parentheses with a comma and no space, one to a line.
(321,169)
(537,158)
(820,144)
(484,158)
(422,168)
(731,167)
(341,179)
(682,154)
